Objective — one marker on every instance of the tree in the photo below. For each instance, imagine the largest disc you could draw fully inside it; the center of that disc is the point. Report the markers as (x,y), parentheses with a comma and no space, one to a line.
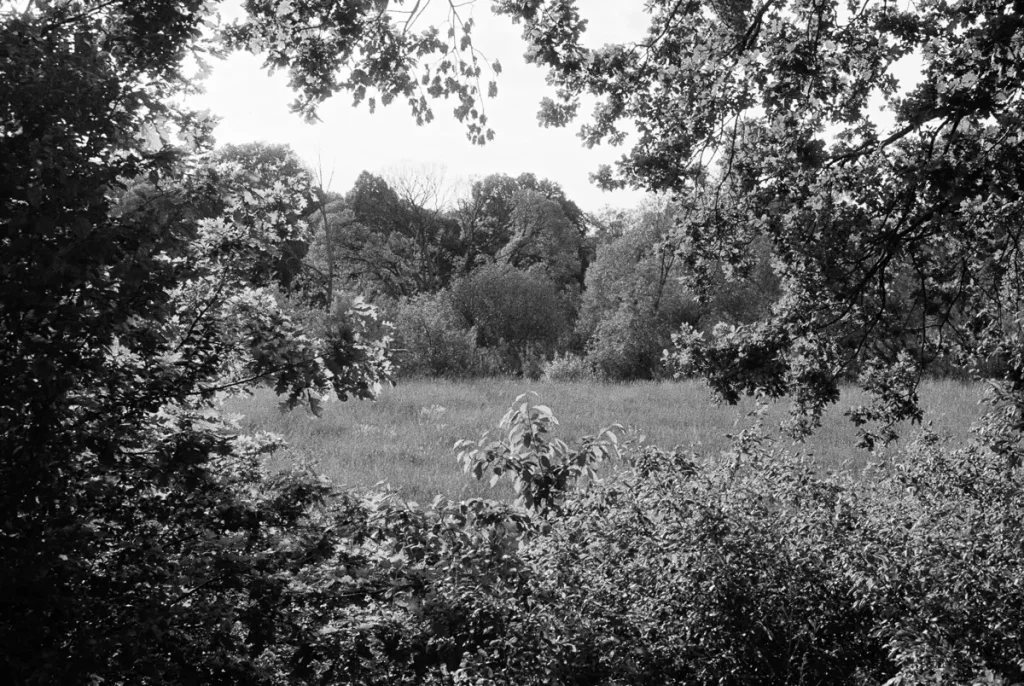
(425,196)
(543,239)
(489,219)
(255,171)
(330,221)
(395,246)
(607,224)
(266,165)
(426,186)
(371,52)
(142,540)
(758,117)
(634,298)
(517,312)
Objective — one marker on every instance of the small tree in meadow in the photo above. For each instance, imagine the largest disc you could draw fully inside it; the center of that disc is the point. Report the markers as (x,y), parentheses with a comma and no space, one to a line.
(634,299)
(519,313)
(433,339)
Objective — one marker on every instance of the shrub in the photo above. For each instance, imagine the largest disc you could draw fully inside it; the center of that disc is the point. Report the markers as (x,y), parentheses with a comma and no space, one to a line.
(941,562)
(627,345)
(679,569)
(544,470)
(433,339)
(568,368)
(521,313)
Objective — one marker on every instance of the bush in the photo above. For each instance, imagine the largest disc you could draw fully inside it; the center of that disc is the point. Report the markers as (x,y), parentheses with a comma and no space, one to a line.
(568,368)
(521,313)
(628,345)
(678,569)
(673,571)
(432,339)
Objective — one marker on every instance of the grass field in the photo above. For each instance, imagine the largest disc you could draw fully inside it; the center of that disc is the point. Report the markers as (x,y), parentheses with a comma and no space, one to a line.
(406,437)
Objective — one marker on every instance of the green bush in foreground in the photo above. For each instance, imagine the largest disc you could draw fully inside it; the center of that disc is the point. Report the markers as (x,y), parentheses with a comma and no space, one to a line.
(757,570)
(677,569)
(681,570)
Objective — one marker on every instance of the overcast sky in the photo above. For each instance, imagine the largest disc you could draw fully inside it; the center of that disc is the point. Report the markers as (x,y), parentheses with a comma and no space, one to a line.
(254,107)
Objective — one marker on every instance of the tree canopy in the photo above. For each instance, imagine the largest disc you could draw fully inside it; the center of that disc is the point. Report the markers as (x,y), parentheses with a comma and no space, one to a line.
(895,234)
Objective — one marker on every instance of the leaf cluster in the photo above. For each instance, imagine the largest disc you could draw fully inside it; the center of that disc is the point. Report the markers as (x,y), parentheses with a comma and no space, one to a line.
(544,470)
(370,51)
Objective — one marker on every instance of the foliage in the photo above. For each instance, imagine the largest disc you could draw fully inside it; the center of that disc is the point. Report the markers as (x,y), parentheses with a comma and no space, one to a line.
(385,244)
(270,177)
(433,338)
(893,233)
(544,470)
(714,582)
(142,541)
(365,50)
(568,368)
(948,562)
(757,568)
(542,240)
(400,235)
(634,298)
(519,313)
(329,223)
(632,264)
(515,216)
(627,345)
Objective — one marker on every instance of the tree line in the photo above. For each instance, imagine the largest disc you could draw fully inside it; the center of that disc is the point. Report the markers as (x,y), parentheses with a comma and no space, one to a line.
(507,277)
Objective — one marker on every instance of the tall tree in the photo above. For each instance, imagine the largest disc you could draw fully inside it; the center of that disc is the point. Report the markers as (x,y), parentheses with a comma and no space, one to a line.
(255,171)
(396,246)
(483,218)
(636,269)
(426,196)
(759,117)
(330,221)
(542,238)
(500,209)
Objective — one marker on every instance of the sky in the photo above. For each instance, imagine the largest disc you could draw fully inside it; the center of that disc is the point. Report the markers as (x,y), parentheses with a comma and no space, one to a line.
(253,106)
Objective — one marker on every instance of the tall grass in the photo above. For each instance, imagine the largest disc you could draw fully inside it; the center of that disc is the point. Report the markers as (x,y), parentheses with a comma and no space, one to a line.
(406,437)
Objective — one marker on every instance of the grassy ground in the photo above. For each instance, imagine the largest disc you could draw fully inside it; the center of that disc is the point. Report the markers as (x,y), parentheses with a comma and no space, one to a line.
(406,437)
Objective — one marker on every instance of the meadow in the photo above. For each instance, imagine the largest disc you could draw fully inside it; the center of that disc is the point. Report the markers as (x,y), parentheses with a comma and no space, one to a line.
(405,438)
